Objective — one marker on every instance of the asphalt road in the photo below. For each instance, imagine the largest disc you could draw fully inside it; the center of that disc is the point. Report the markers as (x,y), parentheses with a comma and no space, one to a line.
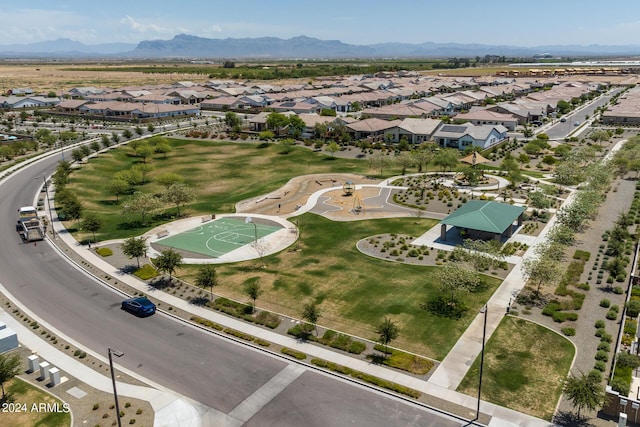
(562,129)
(202,366)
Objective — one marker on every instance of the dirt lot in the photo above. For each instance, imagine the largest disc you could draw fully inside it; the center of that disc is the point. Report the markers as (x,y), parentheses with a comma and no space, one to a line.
(46,77)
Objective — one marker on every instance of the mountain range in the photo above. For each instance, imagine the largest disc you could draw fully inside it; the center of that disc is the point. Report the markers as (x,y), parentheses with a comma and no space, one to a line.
(301,47)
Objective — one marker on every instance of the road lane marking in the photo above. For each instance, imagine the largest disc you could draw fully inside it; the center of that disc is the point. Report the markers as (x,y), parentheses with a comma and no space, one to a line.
(252,404)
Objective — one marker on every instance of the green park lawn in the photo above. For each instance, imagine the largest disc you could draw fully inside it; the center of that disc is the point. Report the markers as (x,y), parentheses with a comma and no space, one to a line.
(221,173)
(355,291)
(525,366)
(29,411)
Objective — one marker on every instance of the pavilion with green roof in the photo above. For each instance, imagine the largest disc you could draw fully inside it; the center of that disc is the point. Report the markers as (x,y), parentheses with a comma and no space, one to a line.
(483,220)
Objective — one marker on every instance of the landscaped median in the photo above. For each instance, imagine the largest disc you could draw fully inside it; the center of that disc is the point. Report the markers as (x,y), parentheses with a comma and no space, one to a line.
(389,385)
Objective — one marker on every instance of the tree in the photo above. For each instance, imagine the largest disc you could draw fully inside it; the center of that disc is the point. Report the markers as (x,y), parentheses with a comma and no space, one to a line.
(424,155)
(91,223)
(253,290)
(151,127)
(232,120)
(541,271)
(296,126)
(405,161)
(105,141)
(141,204)
(446,159)
(311,313)
(134,247)
(163,148)
(144,150)
(387,331)
(276,121)
(118,186)
(9,367)
(455,279)
(77,155)
(127,133)
(286,145)
(142,170)
(168,179)
(168,262)
(584,392)
(333,148)
(207,277)
(599,135)
(379,161)
(179,194)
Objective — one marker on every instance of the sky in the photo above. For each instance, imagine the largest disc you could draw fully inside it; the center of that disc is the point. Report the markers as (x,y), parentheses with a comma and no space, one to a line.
(502,22)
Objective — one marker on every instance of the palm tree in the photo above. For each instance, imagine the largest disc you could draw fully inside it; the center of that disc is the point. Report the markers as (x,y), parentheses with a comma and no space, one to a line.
(253,291)
(387,331)
(311,313)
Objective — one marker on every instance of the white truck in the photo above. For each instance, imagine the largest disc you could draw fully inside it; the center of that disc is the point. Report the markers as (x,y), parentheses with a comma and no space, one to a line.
(30,226)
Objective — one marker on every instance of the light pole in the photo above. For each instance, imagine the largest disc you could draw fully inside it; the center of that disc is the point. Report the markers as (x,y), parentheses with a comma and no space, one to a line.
(46,192)
(484,334)
(113,380)
(248,220)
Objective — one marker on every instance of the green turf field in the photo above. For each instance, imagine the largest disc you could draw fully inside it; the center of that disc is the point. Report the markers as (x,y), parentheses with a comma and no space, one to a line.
(220,236)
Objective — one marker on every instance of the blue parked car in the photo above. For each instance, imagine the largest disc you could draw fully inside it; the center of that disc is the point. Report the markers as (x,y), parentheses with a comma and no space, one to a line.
(140,306)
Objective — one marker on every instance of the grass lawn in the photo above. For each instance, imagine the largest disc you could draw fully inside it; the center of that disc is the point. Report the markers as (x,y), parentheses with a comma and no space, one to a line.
(221,173)
(25,396)
(525,366)
(355,291)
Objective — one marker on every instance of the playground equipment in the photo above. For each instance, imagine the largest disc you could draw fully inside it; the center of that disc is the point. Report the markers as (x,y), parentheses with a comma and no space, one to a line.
(358,204)
(348,188)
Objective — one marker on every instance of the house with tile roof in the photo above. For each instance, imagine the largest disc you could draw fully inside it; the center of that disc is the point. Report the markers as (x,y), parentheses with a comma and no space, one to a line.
(488,117)
(470,135)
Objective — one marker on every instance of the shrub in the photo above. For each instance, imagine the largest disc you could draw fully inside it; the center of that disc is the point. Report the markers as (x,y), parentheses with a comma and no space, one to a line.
(617,290)
(569,331)
(595,375)
(606,337)
(561,316)
(602,356)
(600,323)
(293,353)
(600,366)
(633,308)
(604,347)
(600,332)
(104,252)
(146,272)
(605,303)
(612,315)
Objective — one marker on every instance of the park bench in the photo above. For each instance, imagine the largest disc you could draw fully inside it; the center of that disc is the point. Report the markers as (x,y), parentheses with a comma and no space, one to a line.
(162,233)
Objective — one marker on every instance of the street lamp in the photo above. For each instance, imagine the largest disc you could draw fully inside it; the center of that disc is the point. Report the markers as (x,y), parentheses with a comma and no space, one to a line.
(46,192)
(484,334)
(113,380)
(248,220)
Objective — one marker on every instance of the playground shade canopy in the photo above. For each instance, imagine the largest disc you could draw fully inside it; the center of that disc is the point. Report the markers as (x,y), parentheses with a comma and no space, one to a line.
(492,217)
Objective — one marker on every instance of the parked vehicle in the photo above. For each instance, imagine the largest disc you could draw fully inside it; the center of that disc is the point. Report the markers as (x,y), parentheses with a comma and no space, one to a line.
(140,306)
(564,119)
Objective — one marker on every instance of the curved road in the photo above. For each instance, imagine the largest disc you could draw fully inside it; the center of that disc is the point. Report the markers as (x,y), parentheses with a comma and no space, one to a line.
(209,369)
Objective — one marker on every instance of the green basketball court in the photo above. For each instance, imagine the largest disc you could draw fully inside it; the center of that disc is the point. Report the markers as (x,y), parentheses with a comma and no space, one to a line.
(220,236)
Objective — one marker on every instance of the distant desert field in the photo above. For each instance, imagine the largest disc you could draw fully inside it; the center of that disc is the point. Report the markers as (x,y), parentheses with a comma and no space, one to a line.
(64,76)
